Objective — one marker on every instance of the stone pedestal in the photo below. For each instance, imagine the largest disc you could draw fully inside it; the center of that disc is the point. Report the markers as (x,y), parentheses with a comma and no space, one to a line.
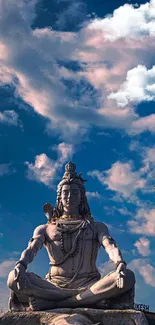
(78,316)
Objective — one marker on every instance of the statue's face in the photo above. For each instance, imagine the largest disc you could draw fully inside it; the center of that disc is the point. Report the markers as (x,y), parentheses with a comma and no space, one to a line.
(70,196)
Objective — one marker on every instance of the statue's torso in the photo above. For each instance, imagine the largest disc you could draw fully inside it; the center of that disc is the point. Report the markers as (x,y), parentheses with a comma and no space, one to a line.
(85,252)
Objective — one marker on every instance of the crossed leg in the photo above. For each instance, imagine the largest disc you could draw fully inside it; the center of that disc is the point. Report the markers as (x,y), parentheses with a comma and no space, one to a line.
(39,288)
(44,295)
(105,288)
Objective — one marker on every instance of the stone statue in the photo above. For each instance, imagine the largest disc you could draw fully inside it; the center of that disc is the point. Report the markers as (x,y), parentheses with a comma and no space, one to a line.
(72,240)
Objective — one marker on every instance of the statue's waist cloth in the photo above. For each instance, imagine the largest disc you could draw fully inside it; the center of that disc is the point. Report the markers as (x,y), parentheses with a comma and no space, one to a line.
(82,281)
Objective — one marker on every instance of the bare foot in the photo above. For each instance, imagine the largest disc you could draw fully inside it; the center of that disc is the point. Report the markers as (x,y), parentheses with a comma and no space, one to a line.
(18,307)
(41,304)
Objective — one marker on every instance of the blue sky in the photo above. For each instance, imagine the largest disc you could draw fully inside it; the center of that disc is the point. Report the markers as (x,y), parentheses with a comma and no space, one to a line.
(77,82)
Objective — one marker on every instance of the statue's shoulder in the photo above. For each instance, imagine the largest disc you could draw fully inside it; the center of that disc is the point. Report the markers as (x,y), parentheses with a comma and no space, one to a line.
(101,228)
(40,230)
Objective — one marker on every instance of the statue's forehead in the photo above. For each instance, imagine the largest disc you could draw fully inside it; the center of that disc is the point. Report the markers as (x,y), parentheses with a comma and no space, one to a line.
(71,186)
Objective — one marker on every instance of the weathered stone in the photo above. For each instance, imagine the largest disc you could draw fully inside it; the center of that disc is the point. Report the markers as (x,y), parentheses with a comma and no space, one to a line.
(79,316)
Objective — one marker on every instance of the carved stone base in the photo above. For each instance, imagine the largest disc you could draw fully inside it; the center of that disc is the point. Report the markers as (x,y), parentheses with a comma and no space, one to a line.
(79,316)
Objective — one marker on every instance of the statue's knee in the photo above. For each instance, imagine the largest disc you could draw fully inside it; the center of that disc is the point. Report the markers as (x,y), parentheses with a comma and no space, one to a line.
(11,280)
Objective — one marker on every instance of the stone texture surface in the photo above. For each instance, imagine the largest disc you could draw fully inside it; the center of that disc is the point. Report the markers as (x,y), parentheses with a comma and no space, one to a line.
(79,316)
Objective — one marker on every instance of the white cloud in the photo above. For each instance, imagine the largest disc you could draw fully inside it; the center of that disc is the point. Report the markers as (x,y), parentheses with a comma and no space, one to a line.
(6,267)
(93,195)
(45,169)
(143,246)
(143,223)
(120,178)
(10,117)
(146,270)
(139,86)
(128,22)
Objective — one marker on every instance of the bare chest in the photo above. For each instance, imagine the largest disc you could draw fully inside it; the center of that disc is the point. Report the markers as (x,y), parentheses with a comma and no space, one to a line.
(60,242)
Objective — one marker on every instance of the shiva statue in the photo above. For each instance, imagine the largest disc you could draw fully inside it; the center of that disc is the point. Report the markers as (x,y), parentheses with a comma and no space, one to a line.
(72,239)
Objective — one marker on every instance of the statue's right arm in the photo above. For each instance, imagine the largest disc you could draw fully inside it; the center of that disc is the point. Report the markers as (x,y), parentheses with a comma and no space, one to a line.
(34,245)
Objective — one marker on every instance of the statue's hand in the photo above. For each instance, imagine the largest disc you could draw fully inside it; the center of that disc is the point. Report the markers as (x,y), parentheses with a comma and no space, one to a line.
(21,277)
(121,272)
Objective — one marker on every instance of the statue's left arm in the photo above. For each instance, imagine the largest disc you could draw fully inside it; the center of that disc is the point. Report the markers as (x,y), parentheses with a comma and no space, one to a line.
(113,251)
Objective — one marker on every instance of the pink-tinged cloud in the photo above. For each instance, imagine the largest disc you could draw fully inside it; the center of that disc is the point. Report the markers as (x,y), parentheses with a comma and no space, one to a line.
(121,178)
(44,169)
(41,81)
(143,223)
(143,124)
(145,269)
(143,246)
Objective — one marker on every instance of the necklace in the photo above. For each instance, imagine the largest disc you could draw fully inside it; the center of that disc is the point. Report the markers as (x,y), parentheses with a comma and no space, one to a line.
(69,217)
(69,231)
(77,245)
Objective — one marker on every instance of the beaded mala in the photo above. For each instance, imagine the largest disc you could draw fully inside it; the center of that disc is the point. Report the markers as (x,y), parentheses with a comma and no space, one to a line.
(64,229)
(63,248)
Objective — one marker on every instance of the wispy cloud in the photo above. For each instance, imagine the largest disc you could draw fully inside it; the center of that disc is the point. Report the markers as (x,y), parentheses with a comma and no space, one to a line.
(143,246)
(145,269)
(146,123)
(10,117)
(106,267)
(74,100)
(143,223)
(147,155)
(45,170)
(126,180)
(93,195)
(65,151)
(73,12)
(6,267)
(120,178)
(6,169)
